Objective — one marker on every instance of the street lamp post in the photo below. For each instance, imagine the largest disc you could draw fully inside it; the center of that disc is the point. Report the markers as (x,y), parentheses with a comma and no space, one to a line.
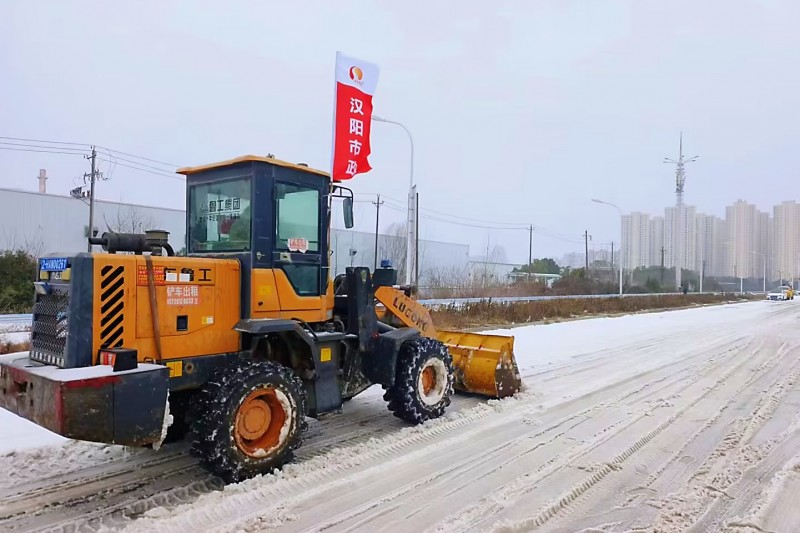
(620,239)
(411,220)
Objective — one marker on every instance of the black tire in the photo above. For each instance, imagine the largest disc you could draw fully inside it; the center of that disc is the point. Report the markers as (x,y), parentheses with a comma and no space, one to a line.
(265,390)
(407,398)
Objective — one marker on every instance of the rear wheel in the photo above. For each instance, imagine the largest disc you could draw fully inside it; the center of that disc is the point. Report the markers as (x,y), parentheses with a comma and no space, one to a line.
(424,381)
(250,417)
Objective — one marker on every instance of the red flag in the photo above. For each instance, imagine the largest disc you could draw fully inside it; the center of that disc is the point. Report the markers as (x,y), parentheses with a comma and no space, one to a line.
(355,85)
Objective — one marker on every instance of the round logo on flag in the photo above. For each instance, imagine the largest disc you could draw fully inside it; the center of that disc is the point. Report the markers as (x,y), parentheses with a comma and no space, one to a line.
(356,74)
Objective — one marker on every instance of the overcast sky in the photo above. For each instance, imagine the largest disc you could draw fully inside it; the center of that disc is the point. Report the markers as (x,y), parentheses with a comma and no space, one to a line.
(520,113)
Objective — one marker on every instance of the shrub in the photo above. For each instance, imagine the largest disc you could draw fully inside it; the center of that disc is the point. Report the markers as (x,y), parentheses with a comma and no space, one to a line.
(17,273)
(487,313)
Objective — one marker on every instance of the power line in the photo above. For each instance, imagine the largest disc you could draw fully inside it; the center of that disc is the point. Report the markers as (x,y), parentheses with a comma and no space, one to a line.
(539,229)
(27,145)
(140,157)
(117,158)
(47,142)
(87,147)
(470,219)
(40,151)
(456,222)
(162,174)
(494,224)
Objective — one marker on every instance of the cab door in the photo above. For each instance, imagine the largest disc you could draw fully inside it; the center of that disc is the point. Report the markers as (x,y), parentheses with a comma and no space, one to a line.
(300,245)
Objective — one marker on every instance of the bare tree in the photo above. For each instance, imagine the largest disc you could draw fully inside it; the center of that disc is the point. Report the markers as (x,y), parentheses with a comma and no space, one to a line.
(484,273)
(393,247)
(447,281)
(31,242)
(129,219)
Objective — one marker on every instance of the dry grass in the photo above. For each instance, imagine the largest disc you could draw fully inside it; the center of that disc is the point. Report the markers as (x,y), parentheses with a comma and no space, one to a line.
(14,347)
(496,314)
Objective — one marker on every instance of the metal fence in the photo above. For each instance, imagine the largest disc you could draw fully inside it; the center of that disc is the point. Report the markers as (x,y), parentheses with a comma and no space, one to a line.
(510,299)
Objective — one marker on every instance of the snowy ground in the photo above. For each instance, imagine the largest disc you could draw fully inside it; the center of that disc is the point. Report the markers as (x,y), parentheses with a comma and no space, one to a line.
(15,332)
(652,422)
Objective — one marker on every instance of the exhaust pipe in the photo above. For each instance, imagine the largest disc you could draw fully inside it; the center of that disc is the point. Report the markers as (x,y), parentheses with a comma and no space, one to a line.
(152,241)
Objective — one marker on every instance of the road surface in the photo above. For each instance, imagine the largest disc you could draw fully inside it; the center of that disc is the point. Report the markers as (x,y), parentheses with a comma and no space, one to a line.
(654,422)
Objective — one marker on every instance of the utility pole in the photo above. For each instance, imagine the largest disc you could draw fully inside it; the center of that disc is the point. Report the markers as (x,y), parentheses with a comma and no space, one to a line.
(530,251)
(702,275)
(93,178)
(377,204)
(612,258)
(586,238)
(662,265)
(416,243)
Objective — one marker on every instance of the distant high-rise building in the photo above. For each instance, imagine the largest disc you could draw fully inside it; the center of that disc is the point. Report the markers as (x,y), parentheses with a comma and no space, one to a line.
(710,244)
(786,240)
(574,260)
(744,244)
(688,239)
(635,240)
(656,241)
(747,231)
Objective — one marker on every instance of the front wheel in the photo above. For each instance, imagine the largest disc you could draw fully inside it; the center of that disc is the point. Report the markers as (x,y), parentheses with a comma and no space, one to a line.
(423,382)
(250,418)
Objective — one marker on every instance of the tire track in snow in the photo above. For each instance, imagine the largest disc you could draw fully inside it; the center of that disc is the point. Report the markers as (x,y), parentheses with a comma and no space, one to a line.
(564,507)
(622,355)
(717,483)
(131,486)
(506,496)
(724,404)
(447,484)
(272,500)
(351,434)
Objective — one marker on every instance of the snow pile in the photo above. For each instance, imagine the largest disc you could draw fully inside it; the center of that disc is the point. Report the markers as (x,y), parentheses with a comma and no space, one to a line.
(168,419)
(22,466)
(19,434)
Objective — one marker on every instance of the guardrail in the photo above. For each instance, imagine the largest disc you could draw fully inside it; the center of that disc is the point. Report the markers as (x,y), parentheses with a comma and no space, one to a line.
(434,302)
(510,299)
(15,319)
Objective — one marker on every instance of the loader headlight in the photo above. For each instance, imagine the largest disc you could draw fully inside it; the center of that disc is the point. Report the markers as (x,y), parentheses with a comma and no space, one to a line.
(42,288)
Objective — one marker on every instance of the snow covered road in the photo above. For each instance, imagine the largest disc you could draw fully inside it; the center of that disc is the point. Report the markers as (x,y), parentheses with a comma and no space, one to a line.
(653,422)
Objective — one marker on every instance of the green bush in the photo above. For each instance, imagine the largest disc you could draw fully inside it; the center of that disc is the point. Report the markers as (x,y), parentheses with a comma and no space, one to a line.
(17,273)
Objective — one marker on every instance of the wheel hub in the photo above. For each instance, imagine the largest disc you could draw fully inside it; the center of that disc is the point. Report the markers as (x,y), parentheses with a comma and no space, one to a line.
(260,422)
(428,380)
(255,419)
(432,381)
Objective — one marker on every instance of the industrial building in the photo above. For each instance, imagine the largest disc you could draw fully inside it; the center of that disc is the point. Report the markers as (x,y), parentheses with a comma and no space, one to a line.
(43,223)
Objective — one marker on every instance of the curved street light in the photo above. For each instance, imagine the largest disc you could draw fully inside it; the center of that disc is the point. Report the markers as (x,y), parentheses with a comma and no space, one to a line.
(620,238)
(410,244)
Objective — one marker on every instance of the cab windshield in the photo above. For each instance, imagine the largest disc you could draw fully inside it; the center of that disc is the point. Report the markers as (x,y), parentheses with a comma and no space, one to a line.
(219,216)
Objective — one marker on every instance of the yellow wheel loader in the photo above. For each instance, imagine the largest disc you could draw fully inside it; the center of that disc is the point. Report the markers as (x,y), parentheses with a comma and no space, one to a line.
(240,340)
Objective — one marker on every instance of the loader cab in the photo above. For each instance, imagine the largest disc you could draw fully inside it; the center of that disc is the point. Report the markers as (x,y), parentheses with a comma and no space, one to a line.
(273,216)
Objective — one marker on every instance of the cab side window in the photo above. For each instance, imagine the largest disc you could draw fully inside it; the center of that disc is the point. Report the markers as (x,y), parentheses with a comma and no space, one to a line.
(298,231)
(298,218)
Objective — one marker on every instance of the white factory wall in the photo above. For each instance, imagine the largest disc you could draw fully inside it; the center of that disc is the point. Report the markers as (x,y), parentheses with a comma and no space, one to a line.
(434,257)
(49,223)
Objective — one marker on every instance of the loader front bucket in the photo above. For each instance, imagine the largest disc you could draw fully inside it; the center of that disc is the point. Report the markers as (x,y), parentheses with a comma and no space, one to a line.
(483,364)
